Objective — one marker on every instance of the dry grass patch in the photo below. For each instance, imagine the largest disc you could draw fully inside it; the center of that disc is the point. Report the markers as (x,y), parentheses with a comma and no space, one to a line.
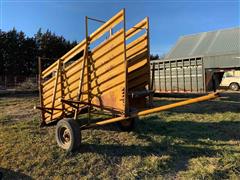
(200,141)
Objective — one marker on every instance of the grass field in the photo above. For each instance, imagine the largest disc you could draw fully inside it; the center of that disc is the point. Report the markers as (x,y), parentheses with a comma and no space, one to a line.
(200,141)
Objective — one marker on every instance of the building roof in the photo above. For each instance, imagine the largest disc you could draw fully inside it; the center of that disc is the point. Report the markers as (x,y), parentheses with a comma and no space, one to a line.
(225,41)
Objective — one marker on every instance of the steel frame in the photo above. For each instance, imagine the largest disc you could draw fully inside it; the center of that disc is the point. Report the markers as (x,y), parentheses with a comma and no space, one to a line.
(117,77)
(53,80)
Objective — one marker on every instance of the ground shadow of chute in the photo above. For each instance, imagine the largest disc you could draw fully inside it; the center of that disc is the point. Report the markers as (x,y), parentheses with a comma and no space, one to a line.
(10,174)
(190,132)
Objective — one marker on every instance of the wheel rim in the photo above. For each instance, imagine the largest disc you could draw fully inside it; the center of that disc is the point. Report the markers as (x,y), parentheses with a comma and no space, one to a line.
(64,136)
(234,87)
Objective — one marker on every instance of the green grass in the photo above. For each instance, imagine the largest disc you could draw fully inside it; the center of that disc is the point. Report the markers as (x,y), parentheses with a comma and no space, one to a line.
(200,141)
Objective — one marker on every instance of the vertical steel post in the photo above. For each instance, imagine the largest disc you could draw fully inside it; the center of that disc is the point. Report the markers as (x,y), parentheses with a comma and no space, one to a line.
(88,70)
(148,62)
(177,75)
(196,68)
(153,77)
(81,78)
(184,87)
(170,72)
(165,80)
(159,80)
(62,85)
(40,88)
(55,87)
(190,73)
(126,109)
(203,77)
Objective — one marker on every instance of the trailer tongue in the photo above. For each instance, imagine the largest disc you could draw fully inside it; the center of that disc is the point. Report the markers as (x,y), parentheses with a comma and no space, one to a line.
(155,110)
(108,71)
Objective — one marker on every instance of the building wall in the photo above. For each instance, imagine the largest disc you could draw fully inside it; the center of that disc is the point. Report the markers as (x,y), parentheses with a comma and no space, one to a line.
(182,75)
(222,61)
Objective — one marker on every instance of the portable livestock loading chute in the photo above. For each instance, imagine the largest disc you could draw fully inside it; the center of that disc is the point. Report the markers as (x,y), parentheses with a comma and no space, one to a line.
(113,77)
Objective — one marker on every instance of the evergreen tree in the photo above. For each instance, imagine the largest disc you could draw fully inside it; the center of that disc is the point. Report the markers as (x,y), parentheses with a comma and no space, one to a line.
(18,53)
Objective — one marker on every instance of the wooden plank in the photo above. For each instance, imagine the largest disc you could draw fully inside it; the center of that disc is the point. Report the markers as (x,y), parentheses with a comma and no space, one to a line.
(141,51)
(49,70)
(74,87)
(108,62)
(141,71)
(142,80)
(49,87)
(137,28)
(141,54)
(56,104)
(114,66)
(126,103)
(47,82)
(107,26)
(108,87)
(137,65)
(138,43)
(48,99)
(74,51)
(49,93)
(109,44)
(111,49)
(77,49)
(75,65)
(110,78)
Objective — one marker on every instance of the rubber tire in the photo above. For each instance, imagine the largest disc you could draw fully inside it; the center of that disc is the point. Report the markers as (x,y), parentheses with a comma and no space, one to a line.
(74,131)
(234,86)
(129,126)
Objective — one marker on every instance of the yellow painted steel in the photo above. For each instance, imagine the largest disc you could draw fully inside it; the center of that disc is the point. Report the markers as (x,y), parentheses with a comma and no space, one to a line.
(158,109)
(118,18)
(49,70)
(106,70)
(137,28)
(104,76)
(138,59)
(182,103)
(77,49)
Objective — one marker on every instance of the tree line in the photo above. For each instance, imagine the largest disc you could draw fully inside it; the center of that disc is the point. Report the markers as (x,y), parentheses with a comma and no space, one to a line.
(18,53)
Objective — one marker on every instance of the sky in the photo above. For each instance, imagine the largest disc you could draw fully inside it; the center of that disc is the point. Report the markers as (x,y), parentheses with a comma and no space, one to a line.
(168,19)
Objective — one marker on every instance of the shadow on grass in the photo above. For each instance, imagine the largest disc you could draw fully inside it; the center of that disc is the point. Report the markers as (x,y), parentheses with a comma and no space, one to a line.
(196,139)
(232,96)
(225,104)
(9,174)
(179,153)
(158,149)
(190,130)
